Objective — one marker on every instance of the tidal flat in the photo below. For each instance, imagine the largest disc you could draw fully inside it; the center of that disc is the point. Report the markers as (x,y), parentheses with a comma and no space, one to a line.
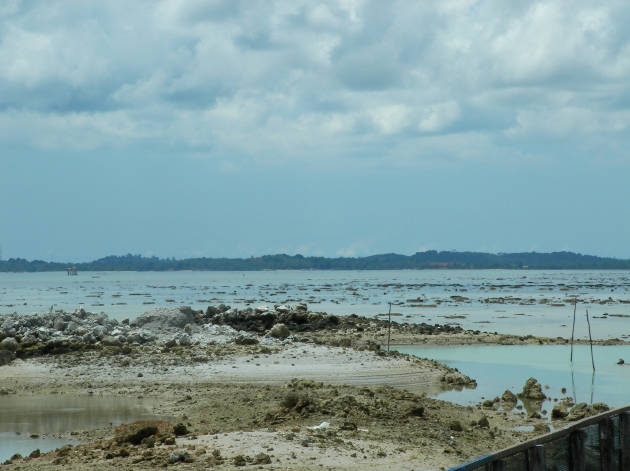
(279,382)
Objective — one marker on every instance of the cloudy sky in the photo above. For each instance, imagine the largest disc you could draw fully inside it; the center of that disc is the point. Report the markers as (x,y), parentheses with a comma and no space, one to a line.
(349,127)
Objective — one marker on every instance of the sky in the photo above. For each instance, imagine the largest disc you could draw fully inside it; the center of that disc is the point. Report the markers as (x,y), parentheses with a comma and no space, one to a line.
(335,128)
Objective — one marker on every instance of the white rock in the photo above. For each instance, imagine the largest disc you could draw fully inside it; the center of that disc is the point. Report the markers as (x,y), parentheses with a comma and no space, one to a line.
(280,331)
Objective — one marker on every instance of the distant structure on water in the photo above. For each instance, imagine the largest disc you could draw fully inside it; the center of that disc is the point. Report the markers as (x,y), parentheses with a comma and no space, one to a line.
(72,271)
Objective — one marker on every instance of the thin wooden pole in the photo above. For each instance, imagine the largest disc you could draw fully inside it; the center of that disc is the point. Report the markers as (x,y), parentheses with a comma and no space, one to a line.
(573,331)
(590,339)
(389,327)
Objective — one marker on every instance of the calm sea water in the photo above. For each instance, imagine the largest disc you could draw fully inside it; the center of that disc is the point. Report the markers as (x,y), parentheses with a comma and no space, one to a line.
(522,302)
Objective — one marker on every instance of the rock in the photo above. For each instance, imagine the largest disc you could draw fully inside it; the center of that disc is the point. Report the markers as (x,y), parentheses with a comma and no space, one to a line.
(559,411)
(6,357)
(35,454)
(282,308)
(541,428)
(483,422)
(579,411)
(60,325)
(134,433)
(600,407)
(188,329)
(346,343)
(262,309)
(125,321)
(417,411)
(149,442)
(455,426)
(239,460)
(180,429)
(165,318)
(262,458)
(620,362)
(185,340)
(301,307)
(182,457)
(509,397)
(532,390)
(280,331)
(110,341)
(348,426)
(240,340)
(9,344)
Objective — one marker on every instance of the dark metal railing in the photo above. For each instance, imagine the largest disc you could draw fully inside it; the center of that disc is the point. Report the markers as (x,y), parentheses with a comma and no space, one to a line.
(597,443)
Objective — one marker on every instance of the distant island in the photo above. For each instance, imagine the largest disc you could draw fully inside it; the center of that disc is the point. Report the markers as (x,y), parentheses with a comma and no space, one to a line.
(430,259)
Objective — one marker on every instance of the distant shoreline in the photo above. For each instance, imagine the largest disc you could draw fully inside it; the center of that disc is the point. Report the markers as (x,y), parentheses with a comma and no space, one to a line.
(429,260)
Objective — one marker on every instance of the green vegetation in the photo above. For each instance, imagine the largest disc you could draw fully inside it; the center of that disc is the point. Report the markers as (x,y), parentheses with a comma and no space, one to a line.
(419,261)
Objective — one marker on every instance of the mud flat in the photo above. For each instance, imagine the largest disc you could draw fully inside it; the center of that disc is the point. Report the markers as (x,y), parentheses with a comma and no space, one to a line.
(281,388)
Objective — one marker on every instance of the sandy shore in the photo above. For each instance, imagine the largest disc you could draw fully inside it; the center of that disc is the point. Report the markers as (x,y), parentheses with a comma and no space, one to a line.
(233,400)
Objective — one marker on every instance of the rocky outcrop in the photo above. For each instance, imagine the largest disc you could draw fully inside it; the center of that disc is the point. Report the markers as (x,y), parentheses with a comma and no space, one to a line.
(509,399)
(165,319)
(532,390)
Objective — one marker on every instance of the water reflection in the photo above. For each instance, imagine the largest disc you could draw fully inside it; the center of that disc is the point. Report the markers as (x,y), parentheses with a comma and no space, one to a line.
(44,414)
(29,422)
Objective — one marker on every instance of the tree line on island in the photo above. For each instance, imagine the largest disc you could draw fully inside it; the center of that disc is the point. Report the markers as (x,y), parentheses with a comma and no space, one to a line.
(430,259)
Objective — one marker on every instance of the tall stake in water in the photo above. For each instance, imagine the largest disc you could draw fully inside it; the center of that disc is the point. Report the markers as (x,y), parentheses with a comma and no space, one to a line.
(573,331)
(590,339)
(389,327)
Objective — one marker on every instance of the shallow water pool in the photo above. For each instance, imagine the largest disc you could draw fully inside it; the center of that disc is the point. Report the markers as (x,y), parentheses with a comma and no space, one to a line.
(46,416)
(500,367)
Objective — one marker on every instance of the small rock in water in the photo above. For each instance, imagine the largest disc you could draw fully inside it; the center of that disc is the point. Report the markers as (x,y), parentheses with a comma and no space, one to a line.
(559,411)
(532,390)
(509,398)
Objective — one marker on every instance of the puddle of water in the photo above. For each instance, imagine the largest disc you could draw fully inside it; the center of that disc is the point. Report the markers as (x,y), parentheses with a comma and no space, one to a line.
(44,415)
(497,368)
(10,444)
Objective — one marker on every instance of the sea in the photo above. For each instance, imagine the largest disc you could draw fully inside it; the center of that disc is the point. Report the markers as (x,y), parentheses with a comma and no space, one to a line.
(520,302)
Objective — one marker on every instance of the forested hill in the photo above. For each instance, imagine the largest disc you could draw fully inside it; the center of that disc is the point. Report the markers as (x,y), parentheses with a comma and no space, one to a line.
(420,260)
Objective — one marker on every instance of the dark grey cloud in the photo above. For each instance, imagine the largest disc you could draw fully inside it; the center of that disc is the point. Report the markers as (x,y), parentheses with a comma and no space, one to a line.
(404,81)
